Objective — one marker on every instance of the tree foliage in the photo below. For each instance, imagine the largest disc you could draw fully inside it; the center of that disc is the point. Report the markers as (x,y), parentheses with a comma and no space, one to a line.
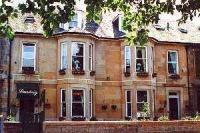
(137,14)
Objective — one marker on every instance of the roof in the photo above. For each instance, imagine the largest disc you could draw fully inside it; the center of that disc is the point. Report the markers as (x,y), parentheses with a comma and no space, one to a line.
(106,29)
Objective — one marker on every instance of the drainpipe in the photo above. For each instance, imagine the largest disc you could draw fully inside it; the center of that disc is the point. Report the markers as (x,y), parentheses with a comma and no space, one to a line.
(188,78)
(9,77)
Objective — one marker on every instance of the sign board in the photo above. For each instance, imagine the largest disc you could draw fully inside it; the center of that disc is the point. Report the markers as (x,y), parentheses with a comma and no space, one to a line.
(27,90)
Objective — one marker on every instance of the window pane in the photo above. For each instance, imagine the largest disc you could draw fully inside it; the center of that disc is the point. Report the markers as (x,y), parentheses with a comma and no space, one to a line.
(172,56)
(140,65)
(63,109)
(77,63)
(172,68)
(128,109)
(128,96)
(64,55)
(28,62)
(77,49)
(141,52)
(63,96)
(77,96)
(77,109)
(141,96)
(140,107)
(28,56)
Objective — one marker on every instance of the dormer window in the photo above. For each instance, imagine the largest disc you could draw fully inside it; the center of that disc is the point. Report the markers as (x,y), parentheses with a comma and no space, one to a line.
(118,22)
(182,30)
(74,22)
(29,19)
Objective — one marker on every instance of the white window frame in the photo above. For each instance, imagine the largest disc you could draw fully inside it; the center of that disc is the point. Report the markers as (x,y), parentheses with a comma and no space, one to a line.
(126,107)
(61,54)
(79,102)
(34,45)
(73,43)
(90,102)
(141,58)
(91,56)
(125,48)
(177,59)
(148,100)
(178,100)
(61,102)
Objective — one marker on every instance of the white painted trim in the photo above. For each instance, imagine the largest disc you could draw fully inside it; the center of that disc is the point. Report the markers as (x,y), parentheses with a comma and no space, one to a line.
(126,57)
(174,96)
(83,101)
(62,102)
(64,44)
(22,54)
(148,99)
(176,60)
(146,58)
(126,111)
(91,57)
(83,53)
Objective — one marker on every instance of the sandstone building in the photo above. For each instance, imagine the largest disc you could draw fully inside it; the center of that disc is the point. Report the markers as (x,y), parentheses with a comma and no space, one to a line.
(87,69)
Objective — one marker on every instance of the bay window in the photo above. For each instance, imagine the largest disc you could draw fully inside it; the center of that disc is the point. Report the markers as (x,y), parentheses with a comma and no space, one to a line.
(91,57)
(141,59)
(127,58)
(63,103)
(28,55)
(172,62)
(142,103)
(78,103)
(77,57)
(63,55)
(128,103)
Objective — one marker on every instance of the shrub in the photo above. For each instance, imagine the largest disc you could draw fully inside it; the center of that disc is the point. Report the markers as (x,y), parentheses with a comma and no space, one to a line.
(163,118)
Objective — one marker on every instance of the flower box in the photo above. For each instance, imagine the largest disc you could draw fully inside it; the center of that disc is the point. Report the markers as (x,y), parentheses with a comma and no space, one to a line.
(127,74)
(28,70)
(78,118)
(62,71)
(78,72)
(154,75)
(104,107)
(113,107)
(174,76)
(47,105)
(142,74)
(92,73)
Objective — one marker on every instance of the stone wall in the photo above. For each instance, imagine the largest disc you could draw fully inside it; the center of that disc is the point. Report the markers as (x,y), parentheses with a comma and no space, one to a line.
(121,127)
(12,127)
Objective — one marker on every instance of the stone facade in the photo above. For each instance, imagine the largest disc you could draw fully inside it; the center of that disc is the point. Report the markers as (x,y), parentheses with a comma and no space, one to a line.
(118,127)
(4,57)
(109,83)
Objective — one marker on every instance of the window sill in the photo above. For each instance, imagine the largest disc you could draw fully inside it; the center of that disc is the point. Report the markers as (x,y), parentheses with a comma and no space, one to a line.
(142,74)
(78,118)
(174,76)
(28,70)
(75,72)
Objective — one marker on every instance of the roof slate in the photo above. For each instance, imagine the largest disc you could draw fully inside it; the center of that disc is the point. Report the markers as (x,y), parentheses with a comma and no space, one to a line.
(105,28)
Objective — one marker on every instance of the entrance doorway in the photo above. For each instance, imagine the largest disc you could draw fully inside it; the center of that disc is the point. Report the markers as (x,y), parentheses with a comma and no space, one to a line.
(173,102)
(26,110)
(198,100)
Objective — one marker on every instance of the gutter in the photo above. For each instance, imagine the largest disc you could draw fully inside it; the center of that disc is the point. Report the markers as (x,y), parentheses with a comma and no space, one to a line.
(188,78)
(9,77)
